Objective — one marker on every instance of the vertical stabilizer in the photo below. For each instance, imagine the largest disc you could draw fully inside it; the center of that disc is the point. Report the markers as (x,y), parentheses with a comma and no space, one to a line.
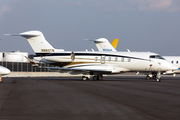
(114,43)
(38,42)
(103,44)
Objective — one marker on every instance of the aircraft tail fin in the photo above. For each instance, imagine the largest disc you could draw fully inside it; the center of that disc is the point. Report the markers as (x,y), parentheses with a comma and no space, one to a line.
(103,44)
(114,43)
(38,42)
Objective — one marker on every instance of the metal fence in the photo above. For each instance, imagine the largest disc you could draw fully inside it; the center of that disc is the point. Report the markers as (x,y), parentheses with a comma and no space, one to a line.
(25,67)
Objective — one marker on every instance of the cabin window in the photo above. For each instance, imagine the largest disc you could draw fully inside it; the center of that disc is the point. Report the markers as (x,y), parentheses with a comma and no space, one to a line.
(122,59)
(156,57)
(129,59)
(152,56)
(109,59)
(103,59)
(96,58)
(176,62)
(116,59)
(172,62)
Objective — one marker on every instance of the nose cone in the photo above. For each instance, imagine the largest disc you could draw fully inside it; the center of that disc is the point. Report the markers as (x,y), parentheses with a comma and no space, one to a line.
(166,66)
(4,71)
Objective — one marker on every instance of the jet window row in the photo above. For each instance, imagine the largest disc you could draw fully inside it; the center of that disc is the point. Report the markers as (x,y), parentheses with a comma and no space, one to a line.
(176,62)
(116,59)
(156,57)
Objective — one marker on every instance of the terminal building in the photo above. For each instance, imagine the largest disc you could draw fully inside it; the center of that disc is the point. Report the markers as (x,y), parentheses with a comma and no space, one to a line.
(16,62)
(21,67)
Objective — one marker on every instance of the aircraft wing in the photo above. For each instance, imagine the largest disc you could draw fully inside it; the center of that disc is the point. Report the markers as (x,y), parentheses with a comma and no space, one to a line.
(75,69)
(108,70)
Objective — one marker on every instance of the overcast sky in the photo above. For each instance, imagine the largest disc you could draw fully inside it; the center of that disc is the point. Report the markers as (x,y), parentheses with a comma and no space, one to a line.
(141,25)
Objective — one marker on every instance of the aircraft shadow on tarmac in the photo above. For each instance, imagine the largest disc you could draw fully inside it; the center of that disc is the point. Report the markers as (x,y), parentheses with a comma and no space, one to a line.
(119,78)
(113,78)
(106,78)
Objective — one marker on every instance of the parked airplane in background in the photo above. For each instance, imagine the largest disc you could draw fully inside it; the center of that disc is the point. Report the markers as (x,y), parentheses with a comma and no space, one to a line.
(4,71)
(175,60)
(96,63)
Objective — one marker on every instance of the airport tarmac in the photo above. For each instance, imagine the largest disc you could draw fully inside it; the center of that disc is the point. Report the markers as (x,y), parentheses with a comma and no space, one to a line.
(69,98)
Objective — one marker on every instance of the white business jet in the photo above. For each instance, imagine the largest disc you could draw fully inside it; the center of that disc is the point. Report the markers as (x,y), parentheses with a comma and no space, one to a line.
(96,63)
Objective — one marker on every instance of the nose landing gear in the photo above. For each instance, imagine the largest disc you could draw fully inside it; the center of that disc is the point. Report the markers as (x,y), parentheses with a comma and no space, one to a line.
(156,76)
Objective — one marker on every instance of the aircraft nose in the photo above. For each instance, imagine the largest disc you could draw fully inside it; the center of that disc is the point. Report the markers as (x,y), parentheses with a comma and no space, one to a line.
(4,71)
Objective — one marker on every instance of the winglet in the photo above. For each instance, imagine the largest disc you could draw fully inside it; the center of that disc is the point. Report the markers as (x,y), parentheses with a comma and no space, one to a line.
(114,43)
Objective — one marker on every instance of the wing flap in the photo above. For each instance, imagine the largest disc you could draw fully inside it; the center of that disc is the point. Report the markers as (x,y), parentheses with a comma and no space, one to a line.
(111,70)
(77,69)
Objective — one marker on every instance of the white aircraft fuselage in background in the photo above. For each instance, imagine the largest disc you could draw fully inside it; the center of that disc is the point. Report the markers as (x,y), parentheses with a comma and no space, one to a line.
(103,44)
(175,60)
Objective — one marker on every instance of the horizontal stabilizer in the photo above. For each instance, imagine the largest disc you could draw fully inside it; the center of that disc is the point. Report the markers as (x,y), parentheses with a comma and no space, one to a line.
(26,34)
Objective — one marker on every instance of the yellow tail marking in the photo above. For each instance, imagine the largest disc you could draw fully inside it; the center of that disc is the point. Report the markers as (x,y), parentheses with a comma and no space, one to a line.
(114,43)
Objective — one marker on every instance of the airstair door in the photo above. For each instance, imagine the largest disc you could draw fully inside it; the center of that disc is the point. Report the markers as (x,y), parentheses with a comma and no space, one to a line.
(103,58)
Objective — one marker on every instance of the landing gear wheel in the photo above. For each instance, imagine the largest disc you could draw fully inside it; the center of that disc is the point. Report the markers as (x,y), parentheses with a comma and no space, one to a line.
(158,79)
(96,77)
(84,78)
(158,76)
(148,77)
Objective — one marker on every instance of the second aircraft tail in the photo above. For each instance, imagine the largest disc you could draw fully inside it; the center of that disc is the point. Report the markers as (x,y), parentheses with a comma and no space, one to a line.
(103,44)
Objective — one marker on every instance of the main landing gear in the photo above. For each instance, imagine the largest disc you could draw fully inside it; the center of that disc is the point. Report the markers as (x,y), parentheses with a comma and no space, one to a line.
(95,78)
(84,78)
(154,76)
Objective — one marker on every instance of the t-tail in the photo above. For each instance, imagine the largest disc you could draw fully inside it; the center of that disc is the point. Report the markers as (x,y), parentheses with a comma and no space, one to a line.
(38,43)
(114,43)
(103,44)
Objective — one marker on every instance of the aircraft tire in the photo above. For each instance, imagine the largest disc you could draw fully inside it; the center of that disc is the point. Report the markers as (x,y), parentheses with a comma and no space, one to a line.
(84,78)
(158,79)
(148,77)
(95,78)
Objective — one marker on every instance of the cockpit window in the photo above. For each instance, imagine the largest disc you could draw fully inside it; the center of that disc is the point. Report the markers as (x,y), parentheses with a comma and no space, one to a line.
(156,57)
